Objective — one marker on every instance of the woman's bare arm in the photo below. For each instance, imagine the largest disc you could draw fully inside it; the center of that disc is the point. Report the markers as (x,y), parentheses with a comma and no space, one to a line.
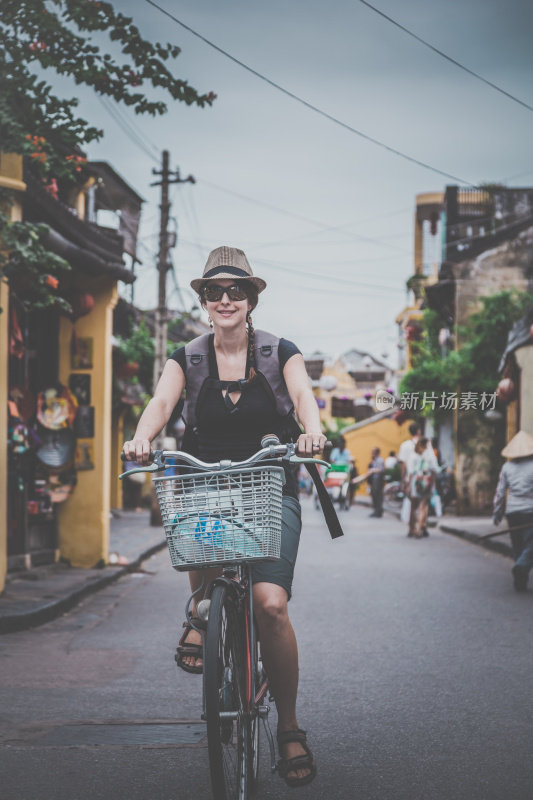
(157,413)
(305,404)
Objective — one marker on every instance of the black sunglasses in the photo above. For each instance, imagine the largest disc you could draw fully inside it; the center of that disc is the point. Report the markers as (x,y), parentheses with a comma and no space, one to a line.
(213,292)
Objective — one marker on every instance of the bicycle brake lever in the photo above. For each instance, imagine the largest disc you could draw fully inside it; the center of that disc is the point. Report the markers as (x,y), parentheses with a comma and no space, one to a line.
(157,465)
(298,460)
(151,468)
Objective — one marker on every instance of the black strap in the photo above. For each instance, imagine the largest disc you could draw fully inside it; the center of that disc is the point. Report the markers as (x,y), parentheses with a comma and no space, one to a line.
(330,515)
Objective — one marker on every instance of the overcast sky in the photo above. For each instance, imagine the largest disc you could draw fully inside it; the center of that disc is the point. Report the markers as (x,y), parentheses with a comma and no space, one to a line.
(320,199)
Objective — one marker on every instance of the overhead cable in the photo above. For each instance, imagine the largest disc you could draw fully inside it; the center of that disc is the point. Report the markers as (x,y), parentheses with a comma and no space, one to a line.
(125,125)
(353,236)
(447,57)
(307,104)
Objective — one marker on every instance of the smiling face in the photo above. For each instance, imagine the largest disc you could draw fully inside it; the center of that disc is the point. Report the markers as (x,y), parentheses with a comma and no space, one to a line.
(227,314)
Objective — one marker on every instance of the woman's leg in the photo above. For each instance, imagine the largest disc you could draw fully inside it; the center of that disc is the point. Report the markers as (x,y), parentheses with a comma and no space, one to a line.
(195,579)
(280,657)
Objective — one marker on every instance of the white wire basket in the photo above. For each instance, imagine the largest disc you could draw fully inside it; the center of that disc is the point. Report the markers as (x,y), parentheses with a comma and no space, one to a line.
(216,518)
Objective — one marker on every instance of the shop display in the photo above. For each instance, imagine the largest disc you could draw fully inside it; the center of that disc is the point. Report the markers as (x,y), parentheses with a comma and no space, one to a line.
(80,386)
(84,426)
(24,401)
(57,448)
(84,458)
(56,407)
(81,352)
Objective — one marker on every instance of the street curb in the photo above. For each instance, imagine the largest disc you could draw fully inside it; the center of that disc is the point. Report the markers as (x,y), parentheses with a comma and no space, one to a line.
(48,611)
(489,544)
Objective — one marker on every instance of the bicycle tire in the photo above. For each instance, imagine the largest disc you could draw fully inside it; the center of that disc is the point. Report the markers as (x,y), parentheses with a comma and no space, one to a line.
(255,722)
(225,690)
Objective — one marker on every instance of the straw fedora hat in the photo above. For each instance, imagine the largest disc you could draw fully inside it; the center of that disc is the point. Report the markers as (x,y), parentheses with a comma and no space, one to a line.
(228,262)
(520,446)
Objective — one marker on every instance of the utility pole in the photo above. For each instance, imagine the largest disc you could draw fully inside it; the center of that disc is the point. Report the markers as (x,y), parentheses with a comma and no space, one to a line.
(163,265)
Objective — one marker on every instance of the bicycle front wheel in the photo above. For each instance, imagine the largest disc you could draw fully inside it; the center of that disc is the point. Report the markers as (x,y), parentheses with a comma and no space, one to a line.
(225,697)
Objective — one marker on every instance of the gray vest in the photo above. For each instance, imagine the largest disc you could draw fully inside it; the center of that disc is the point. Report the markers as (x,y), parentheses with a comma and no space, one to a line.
(266,361)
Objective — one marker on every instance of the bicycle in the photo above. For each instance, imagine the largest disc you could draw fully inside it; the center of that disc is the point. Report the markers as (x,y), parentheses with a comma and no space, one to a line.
(227,514)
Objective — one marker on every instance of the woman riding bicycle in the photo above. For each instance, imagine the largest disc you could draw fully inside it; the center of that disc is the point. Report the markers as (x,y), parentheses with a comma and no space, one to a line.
(230,406)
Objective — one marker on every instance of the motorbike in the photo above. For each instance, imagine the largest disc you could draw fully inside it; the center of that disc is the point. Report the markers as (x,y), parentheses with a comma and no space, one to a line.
(337,483)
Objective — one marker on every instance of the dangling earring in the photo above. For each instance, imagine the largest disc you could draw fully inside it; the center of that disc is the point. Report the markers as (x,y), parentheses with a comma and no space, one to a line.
(249,319)
(210,321)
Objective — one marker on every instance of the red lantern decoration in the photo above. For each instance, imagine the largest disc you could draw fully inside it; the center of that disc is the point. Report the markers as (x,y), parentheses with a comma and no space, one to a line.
(128,369)
(506,390)
(82,303)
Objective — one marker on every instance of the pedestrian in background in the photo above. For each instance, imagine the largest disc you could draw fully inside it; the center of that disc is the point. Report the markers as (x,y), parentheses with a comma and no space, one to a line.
(514,497)
(340,454)
(391,460)
(376,479)
(392,467)
(421,475)
(407,448)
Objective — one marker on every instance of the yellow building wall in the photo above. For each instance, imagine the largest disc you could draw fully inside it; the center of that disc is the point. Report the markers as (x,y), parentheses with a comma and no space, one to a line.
(383,433)
(345,388)
(83,519)
(10,178)
(117,440)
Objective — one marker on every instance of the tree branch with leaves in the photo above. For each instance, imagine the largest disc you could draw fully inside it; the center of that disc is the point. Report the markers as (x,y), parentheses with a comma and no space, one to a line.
(58,35)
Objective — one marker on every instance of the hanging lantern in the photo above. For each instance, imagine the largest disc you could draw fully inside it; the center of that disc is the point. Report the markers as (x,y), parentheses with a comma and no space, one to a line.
(128,369)
(506,390)
(82,303)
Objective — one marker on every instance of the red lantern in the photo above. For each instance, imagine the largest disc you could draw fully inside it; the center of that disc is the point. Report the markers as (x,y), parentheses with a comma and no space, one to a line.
(128,369)
(506,390)
(82,304)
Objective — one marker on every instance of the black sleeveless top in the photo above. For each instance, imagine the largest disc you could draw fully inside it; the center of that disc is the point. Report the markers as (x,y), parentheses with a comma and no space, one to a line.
(234,430)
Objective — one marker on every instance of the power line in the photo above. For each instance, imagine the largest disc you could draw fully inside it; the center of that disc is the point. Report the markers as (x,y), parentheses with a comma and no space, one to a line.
(331,228)
(146,143)
(447,57)
(126,128)
(308,105)
(263,204)
(331,278)
(518,175)
(124,123)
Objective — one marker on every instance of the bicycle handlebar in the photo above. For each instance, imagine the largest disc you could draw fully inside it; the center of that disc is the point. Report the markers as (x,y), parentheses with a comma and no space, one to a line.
(286,452)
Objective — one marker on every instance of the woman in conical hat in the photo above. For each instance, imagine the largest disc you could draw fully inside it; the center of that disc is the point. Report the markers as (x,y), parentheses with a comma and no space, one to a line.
(514,496)
(520,446)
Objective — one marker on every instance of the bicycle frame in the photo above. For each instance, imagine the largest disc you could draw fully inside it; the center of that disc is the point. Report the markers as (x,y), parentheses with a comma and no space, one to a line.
(238,578)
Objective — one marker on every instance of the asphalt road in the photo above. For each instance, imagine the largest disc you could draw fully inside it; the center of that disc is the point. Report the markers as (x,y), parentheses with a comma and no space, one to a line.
(415,680)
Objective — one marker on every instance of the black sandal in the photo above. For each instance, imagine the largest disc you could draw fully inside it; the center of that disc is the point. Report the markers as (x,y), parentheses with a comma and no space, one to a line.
(286,765)
(188,650)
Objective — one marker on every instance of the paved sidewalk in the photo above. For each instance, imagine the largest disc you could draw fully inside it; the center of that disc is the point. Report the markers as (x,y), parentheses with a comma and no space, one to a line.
(39,595)
(475,528)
